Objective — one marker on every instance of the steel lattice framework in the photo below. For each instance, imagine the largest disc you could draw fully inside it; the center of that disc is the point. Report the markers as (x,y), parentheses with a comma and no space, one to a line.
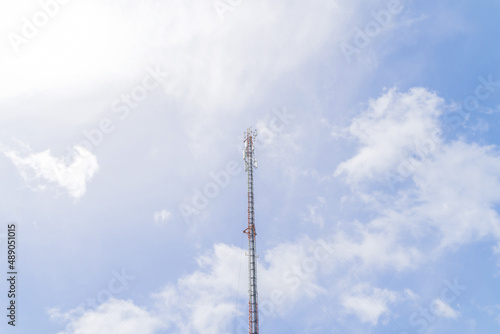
(250,164)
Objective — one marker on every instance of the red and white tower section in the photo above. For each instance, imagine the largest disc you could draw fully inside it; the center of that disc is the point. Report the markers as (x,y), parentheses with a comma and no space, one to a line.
(250,164)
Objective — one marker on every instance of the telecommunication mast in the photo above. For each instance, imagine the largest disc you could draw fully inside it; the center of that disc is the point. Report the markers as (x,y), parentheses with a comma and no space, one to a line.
(250,164)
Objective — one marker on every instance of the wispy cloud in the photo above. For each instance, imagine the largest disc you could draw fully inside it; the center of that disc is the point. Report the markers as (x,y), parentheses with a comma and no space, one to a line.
(394,125)
(162,216)
(451,183)
(43,170)
(368,303)
(113,316)
(442,309)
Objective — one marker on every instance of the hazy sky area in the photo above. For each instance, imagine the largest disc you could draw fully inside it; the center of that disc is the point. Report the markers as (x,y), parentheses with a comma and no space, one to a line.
(377,193)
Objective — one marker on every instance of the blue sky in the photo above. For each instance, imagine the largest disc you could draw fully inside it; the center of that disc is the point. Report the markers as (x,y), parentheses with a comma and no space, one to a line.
(379,164)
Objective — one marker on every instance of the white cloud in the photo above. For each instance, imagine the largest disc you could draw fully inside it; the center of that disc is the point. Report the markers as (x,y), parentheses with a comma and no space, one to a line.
(291,270)
(113,316)
(62,56)
(41,170)
(201,302)
(162,216)
(368,303)
(212,299)
(456,193)
(229,60)
(220,67)
(214,64)
(376,246)
(409,294)
(453,183)
(314,217)
(442,309)
(205,300)
(449,199)
(394,124)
